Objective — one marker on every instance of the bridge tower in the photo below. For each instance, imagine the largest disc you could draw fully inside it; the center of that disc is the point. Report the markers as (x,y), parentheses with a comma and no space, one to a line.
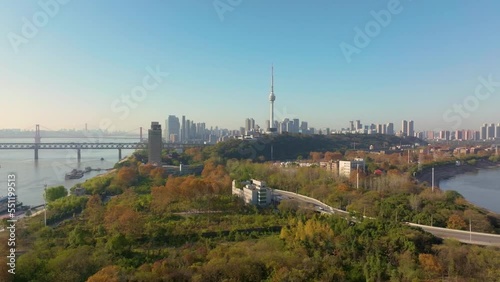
(140,134)
(37,140)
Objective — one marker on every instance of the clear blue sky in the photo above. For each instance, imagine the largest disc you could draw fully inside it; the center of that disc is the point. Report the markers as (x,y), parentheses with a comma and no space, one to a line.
(89,54)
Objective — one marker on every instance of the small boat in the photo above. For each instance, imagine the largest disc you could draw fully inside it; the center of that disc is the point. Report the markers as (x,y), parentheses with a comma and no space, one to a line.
(102,159)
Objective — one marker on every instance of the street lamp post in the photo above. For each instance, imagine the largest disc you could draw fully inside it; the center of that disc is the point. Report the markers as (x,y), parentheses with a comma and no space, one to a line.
(470,230)
(433,179)
(357,176)
(45,203)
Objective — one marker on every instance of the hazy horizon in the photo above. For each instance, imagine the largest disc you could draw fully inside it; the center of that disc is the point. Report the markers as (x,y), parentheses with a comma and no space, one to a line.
(70,63)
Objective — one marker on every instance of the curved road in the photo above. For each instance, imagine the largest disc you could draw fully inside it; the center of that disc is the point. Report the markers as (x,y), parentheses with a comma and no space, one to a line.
(475,238)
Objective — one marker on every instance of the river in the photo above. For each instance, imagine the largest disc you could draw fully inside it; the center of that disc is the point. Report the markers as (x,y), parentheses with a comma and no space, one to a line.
(52,166)
(481,188)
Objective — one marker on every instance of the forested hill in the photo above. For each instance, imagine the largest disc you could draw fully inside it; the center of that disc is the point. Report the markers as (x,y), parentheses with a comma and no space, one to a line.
(291,146)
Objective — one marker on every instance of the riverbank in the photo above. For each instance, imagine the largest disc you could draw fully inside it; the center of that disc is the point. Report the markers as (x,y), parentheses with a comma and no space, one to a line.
(450,170)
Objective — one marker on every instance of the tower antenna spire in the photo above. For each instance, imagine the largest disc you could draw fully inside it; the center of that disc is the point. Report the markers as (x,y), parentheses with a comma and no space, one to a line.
(272,78)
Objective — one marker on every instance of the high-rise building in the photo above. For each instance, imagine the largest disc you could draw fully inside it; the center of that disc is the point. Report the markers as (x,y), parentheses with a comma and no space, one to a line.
(483,131)
(183,129)
(379,128)
(390,128)
(359,126)
(411,129)
(444,135)
(296,125)
(497,134)
(303,127)
(155,144)
(249,124)
(188,130)
(491,131)
(172,129)
(404,127)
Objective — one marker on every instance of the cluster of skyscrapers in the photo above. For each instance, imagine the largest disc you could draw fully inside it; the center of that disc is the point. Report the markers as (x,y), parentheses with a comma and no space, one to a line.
(285,126)
(407,128)
(485,132)
(185,131)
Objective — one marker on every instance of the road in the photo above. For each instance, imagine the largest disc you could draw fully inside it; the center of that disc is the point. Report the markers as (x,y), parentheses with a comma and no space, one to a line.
(474,238)
(326,208)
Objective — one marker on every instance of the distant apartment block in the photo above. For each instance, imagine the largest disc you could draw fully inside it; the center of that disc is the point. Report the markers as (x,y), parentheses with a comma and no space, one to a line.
(254,192)
(346,167)
(331,166)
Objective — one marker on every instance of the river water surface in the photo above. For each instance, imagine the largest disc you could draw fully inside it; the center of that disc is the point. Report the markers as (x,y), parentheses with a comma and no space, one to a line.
(481,188)
(52,166)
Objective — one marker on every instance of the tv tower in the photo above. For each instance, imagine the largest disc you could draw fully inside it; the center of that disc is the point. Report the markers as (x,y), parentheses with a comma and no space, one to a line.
(271,99)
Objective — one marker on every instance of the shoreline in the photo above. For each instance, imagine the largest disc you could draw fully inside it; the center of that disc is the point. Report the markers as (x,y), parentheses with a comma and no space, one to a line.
(445,172)
(448,171)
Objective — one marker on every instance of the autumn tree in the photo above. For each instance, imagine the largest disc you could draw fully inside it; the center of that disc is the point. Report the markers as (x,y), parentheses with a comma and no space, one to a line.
(455,221)
(126,177)
(217,177)
(316,156)
(145,169)
(110,273)
(333,156)
(121,217)
(430,265)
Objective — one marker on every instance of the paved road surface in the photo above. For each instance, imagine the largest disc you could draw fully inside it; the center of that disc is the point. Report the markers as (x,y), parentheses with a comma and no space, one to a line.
(475,238)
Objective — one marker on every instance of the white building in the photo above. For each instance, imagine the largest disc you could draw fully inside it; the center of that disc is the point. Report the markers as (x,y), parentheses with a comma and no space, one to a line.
(345,167)
(254,192)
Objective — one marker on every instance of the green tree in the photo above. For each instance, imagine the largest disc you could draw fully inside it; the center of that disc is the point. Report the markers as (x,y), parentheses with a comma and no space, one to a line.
(54,193)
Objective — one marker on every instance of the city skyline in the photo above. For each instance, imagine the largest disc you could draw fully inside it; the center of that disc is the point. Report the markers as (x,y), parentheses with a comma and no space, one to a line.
(122,66)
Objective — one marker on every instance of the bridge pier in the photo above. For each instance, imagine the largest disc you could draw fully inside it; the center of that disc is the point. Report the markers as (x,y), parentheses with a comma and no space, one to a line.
(119,154)
(36,153)
(78,154)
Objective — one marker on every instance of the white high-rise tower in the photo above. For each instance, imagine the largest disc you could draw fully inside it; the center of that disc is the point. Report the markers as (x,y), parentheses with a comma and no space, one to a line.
(271,99)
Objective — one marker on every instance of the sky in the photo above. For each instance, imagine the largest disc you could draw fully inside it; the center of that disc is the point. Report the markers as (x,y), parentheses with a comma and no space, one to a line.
(119,65)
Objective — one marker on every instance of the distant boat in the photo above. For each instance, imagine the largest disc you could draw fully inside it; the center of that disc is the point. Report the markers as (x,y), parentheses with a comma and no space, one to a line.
(74,174)
(102,159)
(4,203)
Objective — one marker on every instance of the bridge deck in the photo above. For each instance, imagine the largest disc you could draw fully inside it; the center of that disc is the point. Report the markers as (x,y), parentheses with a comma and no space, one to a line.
(120,145)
